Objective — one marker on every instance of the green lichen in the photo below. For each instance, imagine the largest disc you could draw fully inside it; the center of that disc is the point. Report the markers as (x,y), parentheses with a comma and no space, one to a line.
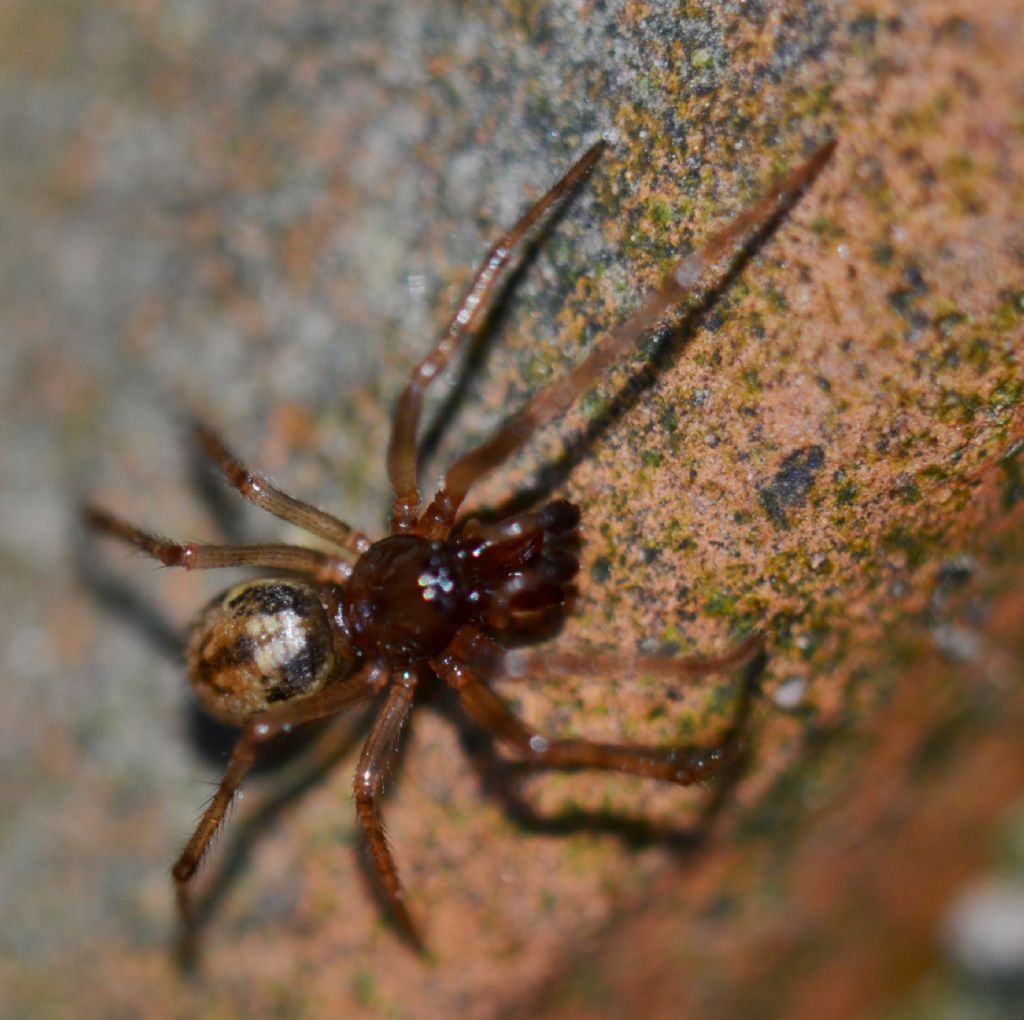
(775,298)
(364,988)
(816,101)
(955,404)
(827,228)
(752,382)
(908,493)
(933,115)
(915,544)
(660,212)
(846,491)
(979,355)
(1007,393)
(720,604)
(1010,312)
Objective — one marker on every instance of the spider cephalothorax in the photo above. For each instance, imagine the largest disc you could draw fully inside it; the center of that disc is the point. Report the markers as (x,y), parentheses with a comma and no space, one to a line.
(326,631)
(408,596)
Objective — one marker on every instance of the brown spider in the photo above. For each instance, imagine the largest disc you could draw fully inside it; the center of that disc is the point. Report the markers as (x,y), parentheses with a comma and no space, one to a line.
(279,652)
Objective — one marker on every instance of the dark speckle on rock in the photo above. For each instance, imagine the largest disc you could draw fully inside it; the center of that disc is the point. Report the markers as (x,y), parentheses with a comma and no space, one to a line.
(791,483)
(914,279)
(954,573)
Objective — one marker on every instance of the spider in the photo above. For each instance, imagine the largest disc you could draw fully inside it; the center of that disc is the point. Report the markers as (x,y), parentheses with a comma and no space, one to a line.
(329,630)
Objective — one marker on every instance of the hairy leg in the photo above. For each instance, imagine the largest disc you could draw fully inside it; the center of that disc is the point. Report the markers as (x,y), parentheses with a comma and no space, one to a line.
(259,730)
(376,756)
(684,766)
(468,316)
(203,556)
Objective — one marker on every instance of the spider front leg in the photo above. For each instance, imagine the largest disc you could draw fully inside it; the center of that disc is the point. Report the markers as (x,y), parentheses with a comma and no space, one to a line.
(684,766)
(374,761)
(555,399)
(469,314)
(260,729)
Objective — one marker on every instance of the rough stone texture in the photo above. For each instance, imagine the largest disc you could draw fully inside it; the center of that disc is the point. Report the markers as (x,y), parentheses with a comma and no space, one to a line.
(264,211)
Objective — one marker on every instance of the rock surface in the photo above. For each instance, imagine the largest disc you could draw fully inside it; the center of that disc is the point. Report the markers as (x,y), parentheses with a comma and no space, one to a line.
(264,212)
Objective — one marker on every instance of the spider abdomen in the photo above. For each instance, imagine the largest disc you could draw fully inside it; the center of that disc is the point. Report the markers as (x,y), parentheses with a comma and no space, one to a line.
(258,644)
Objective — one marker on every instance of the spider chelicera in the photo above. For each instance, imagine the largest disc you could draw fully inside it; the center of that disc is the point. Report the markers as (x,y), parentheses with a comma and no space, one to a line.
(336,628)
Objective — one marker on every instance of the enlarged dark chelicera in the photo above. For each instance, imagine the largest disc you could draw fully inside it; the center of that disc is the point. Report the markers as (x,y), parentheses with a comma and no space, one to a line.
(331,630)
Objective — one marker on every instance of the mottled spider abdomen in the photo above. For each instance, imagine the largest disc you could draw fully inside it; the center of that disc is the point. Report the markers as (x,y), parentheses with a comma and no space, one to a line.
(260,643)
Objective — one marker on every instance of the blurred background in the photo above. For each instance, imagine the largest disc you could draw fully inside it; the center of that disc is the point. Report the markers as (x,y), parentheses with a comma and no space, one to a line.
(264,213)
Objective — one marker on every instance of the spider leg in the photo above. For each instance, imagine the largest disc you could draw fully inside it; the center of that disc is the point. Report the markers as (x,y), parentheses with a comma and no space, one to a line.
(468,316)
(490,658)
(258,731)
(203,556)
(684,766)
(256,489)
(376,756)
(552,401)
